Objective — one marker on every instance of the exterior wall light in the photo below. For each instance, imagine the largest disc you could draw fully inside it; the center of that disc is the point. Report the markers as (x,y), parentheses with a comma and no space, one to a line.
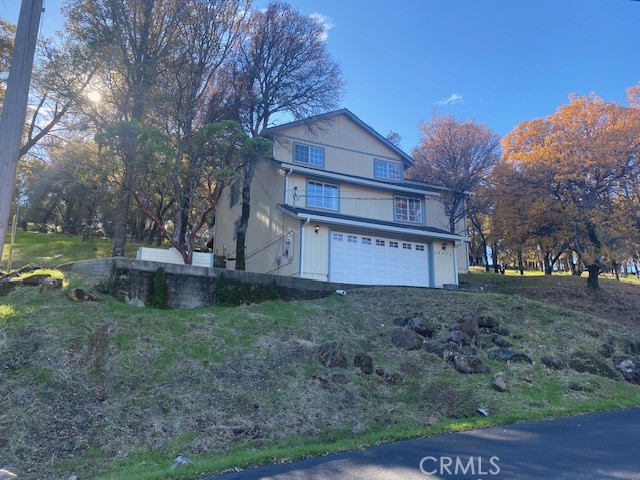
(317,229)
(444,245)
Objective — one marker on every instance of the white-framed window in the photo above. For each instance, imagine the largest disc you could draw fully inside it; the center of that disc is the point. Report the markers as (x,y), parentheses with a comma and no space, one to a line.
(308,154)
(406,246)
(366,240)
(387,170)
(408,209)
(352,239)
(236,225)
(337,237)
(380,243)
(393,244)
(420,248)
(322,195)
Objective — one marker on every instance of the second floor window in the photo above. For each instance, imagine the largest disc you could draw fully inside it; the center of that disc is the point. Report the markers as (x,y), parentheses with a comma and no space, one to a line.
(322,195)
(308,154)
(408,209)
(386,170)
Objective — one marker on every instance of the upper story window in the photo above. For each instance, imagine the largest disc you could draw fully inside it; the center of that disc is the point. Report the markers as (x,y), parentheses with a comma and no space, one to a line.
(308,154)
(408,209)
(322,195)
(386,170)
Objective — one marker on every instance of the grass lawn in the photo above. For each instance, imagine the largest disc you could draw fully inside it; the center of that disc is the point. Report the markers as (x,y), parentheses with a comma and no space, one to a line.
(52,249)
(110,391)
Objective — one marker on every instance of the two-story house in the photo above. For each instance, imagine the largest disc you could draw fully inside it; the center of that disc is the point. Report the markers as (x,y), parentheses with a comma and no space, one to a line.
(333,205)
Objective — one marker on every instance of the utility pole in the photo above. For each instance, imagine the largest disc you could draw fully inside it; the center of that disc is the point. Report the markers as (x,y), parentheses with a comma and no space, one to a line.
(15,105)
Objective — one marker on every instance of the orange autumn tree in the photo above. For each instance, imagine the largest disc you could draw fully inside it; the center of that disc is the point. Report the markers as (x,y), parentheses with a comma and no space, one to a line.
(577,163)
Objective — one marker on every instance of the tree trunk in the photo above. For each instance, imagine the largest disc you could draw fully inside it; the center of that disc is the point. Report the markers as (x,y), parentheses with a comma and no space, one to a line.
(249,170)
(122,215)
(635,263)
(494,258)
(594,272)
(614,266)
(548,267)
(520,264)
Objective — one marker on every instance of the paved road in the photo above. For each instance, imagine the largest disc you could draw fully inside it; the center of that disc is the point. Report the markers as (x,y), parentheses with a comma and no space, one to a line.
(601,446)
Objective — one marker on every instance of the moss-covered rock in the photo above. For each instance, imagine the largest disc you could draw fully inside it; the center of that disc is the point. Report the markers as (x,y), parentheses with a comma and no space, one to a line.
(585,362)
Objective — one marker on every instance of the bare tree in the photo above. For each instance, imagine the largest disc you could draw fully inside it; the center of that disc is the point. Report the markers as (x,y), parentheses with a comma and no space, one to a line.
(455,154)
(282,67)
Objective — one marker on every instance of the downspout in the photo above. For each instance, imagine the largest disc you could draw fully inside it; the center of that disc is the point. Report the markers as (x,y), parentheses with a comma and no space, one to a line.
(302,247)
(455,263)
(286,186)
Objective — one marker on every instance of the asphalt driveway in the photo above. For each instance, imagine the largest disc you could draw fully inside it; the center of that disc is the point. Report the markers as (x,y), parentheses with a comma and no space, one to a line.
(599,446)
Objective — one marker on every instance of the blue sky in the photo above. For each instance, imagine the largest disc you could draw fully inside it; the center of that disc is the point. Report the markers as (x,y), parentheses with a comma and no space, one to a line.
(498,62)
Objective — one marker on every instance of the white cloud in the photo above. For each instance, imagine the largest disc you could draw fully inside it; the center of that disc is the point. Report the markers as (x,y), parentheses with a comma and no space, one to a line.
(453,99)
(326,22)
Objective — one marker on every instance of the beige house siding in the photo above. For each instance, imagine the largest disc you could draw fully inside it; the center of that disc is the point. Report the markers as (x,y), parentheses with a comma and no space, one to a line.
(443,263)
(348,148)
(316,252)
(357,201)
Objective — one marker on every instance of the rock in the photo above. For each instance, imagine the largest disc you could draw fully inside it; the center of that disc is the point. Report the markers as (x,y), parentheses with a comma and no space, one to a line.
(469,364)
(406,339)
(380,371)
(517,336)
(632,347)
(340,378)
(499,383)
(502,331)
(80,295)
(434,348)
(72,477)
(51,285)
(488,322)
(394,378)
(432,420)
(331,355)
(629,367)
(180,462)
(364,362)
(508,355)
(421,326)
(607,350)
(7,475)
(502,342)
(585,362)
(34,280)
(459,337)
(551,362)
(470,328)
(400,321)
(468,350)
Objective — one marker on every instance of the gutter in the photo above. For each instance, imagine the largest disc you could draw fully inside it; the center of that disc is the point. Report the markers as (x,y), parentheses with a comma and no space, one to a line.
(286,186)
(302,245)
(386,228)
(391,187)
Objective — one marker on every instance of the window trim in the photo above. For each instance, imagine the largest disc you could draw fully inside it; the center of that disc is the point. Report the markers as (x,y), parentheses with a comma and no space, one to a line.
(377,161)
(309,147)
(408,221)
(320,182)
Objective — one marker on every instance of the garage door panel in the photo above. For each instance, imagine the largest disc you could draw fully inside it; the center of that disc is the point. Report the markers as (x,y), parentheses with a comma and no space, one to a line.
(373,260)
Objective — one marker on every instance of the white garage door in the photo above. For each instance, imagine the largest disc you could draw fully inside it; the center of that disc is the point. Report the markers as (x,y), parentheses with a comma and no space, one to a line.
(371,260)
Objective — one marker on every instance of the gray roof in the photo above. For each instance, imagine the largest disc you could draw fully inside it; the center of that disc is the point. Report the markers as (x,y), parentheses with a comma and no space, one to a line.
(373,222)
(324,116)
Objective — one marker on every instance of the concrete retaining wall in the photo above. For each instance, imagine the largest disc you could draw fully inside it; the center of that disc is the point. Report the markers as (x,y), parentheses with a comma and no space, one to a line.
(190,287)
